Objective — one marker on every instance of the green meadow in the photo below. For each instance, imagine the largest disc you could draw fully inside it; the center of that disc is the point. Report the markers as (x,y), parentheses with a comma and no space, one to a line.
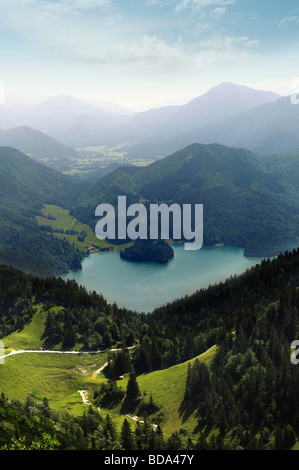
(61,376)
(167,389)
(58,376)
(60,219)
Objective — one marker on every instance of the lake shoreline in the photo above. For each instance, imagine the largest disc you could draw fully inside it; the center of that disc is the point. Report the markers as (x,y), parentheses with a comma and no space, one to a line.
(174,243)
(144,286)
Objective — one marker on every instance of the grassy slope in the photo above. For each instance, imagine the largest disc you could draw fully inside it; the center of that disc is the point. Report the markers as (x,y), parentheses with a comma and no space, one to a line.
(60,377)
(31,337)
(167,388)
(64,221)
(56,376)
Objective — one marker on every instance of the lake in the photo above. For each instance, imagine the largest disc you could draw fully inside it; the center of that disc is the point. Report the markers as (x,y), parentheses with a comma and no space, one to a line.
(145,286)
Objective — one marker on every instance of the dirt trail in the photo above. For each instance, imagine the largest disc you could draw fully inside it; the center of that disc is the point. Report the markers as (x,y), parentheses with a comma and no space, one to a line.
(97,372)
(135,418)
(44,351)
(83,394)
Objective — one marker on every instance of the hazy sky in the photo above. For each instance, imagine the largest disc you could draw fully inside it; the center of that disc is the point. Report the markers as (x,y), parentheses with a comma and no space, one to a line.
(146,52)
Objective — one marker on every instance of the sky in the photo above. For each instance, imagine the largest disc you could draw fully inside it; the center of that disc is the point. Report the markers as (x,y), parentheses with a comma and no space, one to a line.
(145,53)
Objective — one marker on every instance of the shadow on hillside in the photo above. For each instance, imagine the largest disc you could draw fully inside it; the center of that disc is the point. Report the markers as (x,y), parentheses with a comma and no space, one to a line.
(185,411)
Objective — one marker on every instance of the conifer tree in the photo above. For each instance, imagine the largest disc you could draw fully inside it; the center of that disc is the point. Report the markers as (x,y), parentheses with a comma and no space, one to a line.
(132,394)
(127,440)
(109,429)
(139,436)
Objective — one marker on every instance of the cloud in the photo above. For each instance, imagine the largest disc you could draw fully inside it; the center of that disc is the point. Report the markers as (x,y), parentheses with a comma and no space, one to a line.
(227,49)
(201,4)
(69,31)
(219,11)
(55,7)
(287,20)
(88,4)
(73,5)
(107,38)
(146,51)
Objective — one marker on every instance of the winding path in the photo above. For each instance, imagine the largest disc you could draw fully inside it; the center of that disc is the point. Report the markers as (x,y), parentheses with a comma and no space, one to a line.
(44,351)
(136,418)
(97,372)
(83,393)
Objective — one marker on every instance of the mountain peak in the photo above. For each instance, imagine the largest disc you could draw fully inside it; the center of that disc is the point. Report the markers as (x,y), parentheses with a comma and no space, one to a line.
(62,99)
(230,87)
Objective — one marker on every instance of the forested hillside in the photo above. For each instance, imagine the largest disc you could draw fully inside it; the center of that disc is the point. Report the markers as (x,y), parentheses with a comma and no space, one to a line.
(247,396)
(25,186)
(249,201)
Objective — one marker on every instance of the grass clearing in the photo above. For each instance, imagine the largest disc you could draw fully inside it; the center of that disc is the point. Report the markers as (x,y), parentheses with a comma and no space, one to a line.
(60,219)
(30,337)
(167,389)
(59,377)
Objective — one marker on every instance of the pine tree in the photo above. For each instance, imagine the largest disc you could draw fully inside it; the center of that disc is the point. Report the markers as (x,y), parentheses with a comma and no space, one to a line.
(146,433)
(188,384)
(159,438)
(139,436)
(132,394)
(109,429)
(127,440)
(156,356)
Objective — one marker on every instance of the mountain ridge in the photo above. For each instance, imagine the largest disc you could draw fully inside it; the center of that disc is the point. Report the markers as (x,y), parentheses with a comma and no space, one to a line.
(36,143)
(246,203)
(222,101)
(62,117)
(25,186)
(268,129)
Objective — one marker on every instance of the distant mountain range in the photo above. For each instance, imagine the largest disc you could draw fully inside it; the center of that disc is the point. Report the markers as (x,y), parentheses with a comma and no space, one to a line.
(222,101)
(268,129)
(228,114)
(56,116)
(153,133)
(147,130)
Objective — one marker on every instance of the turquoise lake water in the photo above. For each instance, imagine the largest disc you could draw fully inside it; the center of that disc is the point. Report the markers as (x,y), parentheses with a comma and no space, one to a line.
(145,286)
